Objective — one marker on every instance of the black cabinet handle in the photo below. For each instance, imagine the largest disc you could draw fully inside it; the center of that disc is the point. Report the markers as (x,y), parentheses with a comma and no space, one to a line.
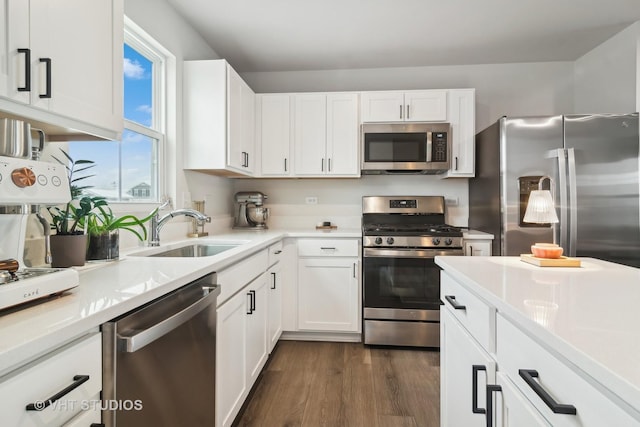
(285,164)
(329,161)
(474,389)
(322,165)
(408,115)
(247,154)
(400,110)
(490,390)
(278,252)
(253,300)
(78,380)
(528,376)
(97,425)
(27,70)
(454,303)
(456,163)
(47,93)
(273,275)
(250,295)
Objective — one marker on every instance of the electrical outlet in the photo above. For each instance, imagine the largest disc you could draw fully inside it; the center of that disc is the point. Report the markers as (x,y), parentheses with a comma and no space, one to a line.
(311,200)
(452,201)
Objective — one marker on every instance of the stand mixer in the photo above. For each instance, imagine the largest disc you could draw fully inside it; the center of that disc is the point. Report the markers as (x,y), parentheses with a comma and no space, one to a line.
(249,212)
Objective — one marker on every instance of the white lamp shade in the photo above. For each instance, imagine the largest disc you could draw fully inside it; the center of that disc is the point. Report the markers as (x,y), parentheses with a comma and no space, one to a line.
(540,209)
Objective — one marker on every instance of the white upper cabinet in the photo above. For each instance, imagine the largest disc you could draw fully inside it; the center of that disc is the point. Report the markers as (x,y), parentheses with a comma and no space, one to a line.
(62,63)
(274,133)
(310,134)
(408,106)
(219,119)
(326,134)
(462,117)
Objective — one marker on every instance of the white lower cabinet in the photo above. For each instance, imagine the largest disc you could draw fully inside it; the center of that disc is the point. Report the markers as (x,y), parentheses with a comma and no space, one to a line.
(241,342)
(523,383)
(274,275)
(465,370)
(511,408)
(328,285)
(560,394)
(73,373)
(89,418)
(477,247)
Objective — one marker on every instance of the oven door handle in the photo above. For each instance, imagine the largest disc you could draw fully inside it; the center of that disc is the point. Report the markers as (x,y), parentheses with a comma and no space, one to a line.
(410,253)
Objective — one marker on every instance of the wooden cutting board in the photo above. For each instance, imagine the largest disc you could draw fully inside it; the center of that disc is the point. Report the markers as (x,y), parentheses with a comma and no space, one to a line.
(563,261)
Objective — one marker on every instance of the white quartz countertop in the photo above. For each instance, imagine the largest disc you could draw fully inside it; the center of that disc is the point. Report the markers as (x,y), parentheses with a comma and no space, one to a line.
(476,235)
(112,289)
(588,316)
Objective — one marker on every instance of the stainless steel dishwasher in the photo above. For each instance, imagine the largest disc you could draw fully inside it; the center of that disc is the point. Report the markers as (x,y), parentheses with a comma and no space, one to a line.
(159,360)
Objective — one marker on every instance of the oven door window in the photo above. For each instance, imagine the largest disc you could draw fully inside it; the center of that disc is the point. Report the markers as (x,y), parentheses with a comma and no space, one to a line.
(395,147)
(412,283)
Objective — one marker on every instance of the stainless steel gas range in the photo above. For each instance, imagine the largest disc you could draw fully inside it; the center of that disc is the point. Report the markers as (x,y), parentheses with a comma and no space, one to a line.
(401,235)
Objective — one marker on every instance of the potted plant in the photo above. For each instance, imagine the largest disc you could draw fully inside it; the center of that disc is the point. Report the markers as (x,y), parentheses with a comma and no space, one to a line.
(103,230)
(69,244)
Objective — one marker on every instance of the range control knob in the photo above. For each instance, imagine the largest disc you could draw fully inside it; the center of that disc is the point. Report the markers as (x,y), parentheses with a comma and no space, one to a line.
(435,240)
(23,177)
(378,240)
(448,241)
(390,240)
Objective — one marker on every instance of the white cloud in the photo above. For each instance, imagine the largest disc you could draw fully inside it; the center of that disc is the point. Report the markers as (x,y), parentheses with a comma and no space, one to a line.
(144,109)
(133,69)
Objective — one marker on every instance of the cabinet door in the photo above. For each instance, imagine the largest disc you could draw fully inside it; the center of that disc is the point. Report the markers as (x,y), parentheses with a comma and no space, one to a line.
(231,354)
(459,353)
(382,106)
(328,294)
(310,134)
(275,305)
(462,117)
(274,134)
(477,248)
(236,157)
(84,42)
(257,320)
(512,409)
(14,17)
(342,134)
(425,105)
(248,128)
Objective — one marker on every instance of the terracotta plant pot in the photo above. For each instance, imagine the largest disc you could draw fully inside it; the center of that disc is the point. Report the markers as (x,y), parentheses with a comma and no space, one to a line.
(68,250)
(104,247)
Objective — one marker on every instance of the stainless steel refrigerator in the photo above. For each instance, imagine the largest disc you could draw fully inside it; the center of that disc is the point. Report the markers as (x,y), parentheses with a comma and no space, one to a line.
(594,163)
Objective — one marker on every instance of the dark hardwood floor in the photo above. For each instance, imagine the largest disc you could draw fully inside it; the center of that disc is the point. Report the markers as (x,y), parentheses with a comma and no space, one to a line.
(316,384)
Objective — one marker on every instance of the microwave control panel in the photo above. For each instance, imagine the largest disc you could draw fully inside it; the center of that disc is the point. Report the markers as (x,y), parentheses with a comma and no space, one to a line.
(439,147)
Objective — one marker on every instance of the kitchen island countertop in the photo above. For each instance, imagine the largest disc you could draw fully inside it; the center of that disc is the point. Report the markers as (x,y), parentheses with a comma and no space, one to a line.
(591,319)
(108,290)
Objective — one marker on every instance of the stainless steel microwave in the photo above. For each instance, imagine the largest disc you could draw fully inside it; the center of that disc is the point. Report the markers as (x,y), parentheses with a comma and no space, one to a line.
(405,148)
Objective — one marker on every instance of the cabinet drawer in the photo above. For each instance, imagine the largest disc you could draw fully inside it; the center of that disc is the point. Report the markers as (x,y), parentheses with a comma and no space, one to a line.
(48,376)
(90,417)
(476,316)
(237,276)
(328,247)
(516,351)
(275,253)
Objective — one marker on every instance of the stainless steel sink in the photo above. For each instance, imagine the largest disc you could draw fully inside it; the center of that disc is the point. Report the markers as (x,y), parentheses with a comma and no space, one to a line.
(195,250)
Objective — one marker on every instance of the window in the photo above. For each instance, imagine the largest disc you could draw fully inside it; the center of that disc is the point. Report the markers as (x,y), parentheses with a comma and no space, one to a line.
(128,170)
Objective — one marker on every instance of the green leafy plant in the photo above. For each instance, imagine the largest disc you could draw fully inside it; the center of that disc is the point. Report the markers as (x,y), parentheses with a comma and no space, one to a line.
(102,220)
(70,218)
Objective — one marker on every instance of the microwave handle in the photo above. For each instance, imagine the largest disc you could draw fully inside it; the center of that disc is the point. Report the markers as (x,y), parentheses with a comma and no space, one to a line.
(429,146)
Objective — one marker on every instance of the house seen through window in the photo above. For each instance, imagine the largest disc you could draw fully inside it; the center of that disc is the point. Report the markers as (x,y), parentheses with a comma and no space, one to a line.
(127,170)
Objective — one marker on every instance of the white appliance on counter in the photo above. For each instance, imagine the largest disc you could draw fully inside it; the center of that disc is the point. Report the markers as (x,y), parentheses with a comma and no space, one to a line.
(24,182)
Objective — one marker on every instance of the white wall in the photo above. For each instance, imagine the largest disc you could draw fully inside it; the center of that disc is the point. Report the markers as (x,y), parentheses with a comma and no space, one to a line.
(340,200)
(607,79)
(501,89)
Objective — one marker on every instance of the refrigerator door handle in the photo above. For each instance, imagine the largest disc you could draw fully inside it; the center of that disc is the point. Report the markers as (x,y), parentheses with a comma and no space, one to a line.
(562,185)
(573,202)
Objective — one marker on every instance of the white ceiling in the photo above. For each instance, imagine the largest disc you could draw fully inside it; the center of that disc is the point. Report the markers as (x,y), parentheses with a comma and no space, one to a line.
(288,35)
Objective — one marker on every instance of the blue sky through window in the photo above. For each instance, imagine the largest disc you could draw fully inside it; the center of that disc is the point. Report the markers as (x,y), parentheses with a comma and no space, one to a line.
(122,166)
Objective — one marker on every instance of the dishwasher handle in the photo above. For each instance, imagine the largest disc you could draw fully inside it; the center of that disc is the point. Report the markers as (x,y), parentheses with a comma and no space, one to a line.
(133,343)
